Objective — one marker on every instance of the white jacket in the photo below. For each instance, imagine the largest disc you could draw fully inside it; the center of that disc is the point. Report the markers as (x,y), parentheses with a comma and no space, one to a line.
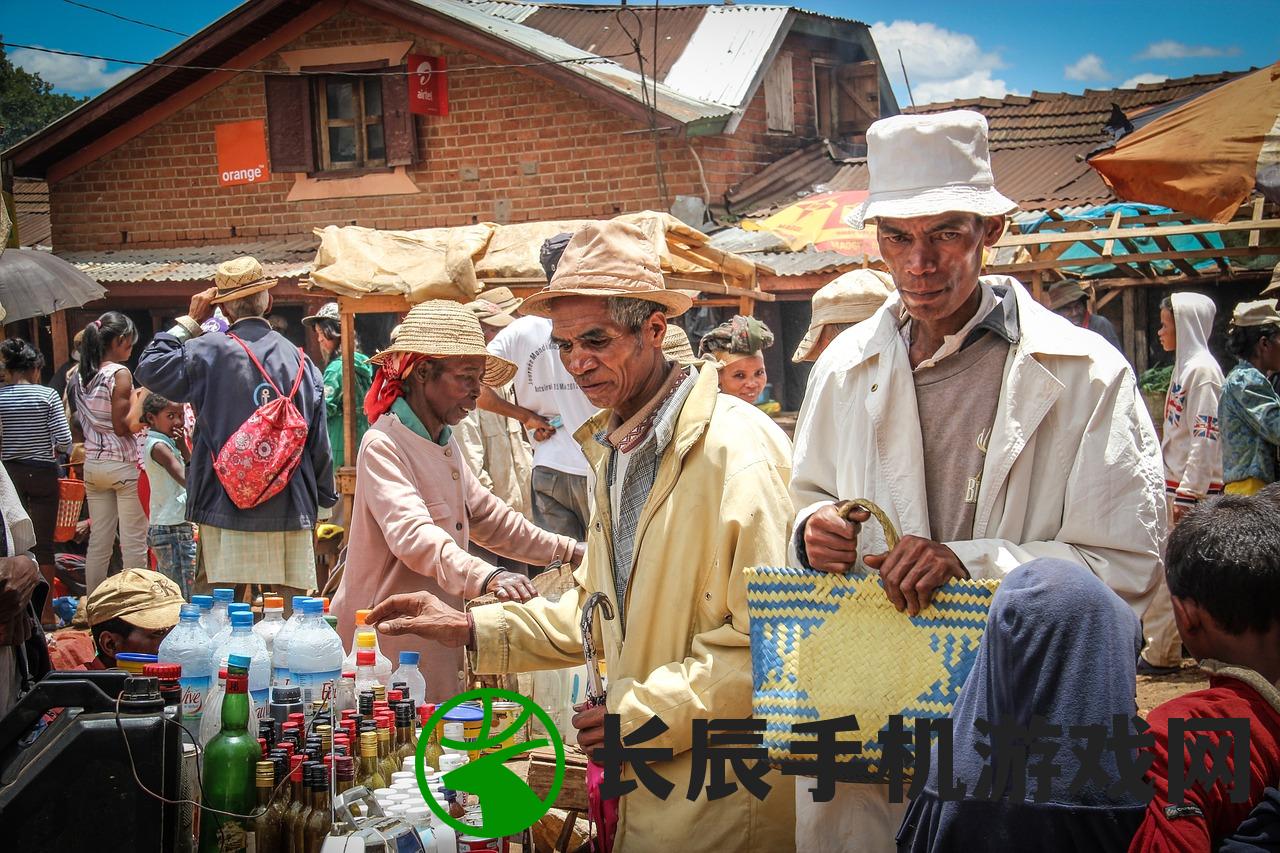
(1192,451)
(1072,471)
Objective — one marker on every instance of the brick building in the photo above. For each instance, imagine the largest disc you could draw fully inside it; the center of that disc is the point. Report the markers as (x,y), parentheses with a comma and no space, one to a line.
(553,113)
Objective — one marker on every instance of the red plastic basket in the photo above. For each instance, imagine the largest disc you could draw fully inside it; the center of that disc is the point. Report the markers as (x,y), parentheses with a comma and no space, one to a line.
(70,502)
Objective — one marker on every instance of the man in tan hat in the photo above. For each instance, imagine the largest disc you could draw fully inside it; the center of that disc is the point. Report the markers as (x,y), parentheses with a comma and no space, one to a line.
(226,377)
(326,325)
(989,430)
(131,612)
(418,506)
(690,490)
(840,304)
(1070,300)
(494,443)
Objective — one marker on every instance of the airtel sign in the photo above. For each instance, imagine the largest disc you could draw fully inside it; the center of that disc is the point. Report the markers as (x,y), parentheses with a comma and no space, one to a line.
(428,85)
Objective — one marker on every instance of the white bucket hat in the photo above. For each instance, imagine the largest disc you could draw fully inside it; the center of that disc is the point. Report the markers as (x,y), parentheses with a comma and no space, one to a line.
(923,165)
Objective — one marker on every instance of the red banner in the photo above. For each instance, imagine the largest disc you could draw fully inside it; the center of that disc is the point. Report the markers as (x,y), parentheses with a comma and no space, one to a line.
(242,153)
(428,85)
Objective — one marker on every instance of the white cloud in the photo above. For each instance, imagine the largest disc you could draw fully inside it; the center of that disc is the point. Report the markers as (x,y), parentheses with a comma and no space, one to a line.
(1170,49)
(1087,67)
(943,64)
(69,73)
(1146,77)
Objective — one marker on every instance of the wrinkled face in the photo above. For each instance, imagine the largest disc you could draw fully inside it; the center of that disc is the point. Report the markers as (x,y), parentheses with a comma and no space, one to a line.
(935,260)
(610,363)
(451,393)
(745,378)
(1168,332)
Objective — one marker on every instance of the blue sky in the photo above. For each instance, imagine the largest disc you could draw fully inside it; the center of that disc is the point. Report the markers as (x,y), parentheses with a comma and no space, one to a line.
(952,50)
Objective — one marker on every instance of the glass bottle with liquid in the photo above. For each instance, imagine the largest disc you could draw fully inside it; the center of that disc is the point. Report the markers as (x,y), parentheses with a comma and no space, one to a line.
(265,828)
(370,774)
(230,761)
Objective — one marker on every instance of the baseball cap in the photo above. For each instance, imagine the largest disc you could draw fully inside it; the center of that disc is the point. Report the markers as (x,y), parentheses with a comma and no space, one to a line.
(141,597)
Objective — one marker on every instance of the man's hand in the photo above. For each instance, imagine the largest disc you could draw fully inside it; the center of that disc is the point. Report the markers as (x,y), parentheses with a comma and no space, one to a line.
(914,569)
(18,578)
(589,721)
(423,615)
(578,555)
(201,308)
(538,425)
(510,586)
(830,541)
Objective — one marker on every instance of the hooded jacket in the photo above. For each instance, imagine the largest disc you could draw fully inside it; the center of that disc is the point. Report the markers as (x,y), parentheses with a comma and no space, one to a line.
(1191,446)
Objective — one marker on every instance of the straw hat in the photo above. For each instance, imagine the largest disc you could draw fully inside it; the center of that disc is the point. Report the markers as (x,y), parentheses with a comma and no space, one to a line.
(495,307)
(440,328)
(676,346)
(923,165)
(240,277)
(851,298)
(610,258)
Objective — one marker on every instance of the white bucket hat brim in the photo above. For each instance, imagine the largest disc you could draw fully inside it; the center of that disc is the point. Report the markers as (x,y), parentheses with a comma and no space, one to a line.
(931,201)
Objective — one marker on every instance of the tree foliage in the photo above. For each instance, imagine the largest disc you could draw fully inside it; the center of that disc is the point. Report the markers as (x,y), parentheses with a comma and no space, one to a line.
(27,103)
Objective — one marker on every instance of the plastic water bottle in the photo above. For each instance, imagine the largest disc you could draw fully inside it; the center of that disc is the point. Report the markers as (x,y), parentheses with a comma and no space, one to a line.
(315,655)
(272,620)
(188,646)
(222,599)
(280,648)
(225,631)
(242,641)
(207,620)
(367,638)
(409,673)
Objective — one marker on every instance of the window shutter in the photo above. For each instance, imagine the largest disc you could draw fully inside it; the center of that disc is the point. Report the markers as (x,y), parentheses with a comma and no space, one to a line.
(290,136)
(780,95)
(859,99)
(397,121)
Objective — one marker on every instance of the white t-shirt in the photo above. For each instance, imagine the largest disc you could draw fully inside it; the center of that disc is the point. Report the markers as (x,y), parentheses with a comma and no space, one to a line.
(543,386)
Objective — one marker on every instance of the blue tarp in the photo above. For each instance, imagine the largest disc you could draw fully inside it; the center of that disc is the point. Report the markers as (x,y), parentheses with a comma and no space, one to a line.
(1086,253)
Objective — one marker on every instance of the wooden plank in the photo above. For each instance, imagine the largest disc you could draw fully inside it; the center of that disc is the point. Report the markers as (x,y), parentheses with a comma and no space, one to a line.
(1179,262)
(1255,236)
(348,323)
(1194,254)
(1141,350)
(1134,233)
(58,333)
(1106,299)
(1127,323)
(1109,245)
(376,303)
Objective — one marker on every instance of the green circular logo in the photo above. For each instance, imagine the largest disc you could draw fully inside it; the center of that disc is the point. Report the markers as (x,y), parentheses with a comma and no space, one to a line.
(507,804)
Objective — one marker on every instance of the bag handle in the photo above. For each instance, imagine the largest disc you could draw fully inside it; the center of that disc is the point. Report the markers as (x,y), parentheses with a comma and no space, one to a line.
(297,383)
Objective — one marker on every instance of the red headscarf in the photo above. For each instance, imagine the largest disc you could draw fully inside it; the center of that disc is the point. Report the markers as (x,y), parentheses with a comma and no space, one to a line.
(388,383)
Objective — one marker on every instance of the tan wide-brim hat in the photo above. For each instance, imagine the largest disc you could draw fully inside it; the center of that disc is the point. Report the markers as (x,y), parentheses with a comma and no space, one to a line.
(441,328)
(851,298)
(496,307)
(610,258)
(140,597)
(1065,293)
(1260,312)
(240,277)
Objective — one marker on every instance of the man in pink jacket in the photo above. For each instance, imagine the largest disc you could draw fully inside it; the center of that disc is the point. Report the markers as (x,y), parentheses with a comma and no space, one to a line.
(417,504)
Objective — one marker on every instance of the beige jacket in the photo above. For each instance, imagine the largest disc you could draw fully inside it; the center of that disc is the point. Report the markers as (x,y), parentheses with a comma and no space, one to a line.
(498,455)
(1073,468)
(719,504)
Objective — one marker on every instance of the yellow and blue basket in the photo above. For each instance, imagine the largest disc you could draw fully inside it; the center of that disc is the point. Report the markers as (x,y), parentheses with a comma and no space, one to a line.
(826,645)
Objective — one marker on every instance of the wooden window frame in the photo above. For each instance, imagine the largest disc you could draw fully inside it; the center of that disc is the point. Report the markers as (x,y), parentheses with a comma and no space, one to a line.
(326,169)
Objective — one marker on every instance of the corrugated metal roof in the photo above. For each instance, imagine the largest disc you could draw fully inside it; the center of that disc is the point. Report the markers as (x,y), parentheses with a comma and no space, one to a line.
(739,240)
(770,253)
(288,258)
(670,103)
(727,52)
(510,11)
(608,32)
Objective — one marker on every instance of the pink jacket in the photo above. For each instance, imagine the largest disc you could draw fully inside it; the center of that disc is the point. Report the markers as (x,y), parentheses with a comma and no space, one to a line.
(417,505)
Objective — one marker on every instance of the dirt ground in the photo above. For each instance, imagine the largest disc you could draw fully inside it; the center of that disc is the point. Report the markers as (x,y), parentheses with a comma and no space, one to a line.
(1154,690)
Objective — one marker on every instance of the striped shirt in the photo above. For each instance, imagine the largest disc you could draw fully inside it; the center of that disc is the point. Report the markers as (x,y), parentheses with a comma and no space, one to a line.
(93,411)
(34,423)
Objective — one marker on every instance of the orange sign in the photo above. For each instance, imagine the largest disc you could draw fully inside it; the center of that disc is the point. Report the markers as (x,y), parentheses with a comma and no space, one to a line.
(242,153)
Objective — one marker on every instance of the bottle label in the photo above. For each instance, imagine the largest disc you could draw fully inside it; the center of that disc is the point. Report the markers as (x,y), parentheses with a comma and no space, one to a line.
(194,690)
(261,704)
(280,676)
(316,685)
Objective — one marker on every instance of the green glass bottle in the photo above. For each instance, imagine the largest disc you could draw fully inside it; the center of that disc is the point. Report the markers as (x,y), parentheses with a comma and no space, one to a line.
(229,763)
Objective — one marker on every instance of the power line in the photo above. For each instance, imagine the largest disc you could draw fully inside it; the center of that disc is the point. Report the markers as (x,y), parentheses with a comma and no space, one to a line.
(586,60)
(124,18)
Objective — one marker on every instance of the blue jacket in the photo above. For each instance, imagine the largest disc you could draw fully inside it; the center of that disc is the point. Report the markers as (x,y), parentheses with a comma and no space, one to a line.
(213,374)
(1249,416)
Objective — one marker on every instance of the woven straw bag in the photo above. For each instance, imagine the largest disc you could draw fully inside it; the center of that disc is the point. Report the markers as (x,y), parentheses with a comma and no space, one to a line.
(825,646)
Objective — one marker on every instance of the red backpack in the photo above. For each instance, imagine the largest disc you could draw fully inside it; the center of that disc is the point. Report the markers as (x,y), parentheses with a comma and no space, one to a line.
(258,459)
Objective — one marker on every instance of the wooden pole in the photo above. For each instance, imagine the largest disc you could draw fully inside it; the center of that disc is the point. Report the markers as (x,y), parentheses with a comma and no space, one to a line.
(58,332)
(346,485)
(1129,324)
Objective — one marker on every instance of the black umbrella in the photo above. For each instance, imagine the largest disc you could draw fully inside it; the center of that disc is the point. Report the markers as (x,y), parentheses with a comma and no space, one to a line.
(35,283)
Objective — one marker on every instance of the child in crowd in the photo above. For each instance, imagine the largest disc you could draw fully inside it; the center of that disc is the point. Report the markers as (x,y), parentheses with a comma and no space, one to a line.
(1223,571)
(170,536)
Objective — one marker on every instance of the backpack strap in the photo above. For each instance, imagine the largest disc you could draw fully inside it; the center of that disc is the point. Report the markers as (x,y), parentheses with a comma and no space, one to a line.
(297,383)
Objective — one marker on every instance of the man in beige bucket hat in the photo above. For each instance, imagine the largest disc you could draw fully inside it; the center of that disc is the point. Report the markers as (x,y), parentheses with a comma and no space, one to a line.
(418,506)
(990,431)
(690,490)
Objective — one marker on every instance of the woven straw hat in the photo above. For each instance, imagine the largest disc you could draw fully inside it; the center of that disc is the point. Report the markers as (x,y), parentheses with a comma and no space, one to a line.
(610,258)
(676,346)
(240,277)
(851,298)
(441,328)
(328,311)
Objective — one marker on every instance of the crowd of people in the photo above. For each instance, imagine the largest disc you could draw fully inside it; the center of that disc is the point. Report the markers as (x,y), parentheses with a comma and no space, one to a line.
(1004,439)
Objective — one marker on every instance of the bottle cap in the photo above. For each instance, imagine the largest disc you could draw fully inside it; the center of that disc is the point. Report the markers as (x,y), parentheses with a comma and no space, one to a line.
(348,675)
(273,602)
(348,713)
(346,767)
(239,607)
(362,617)
(366,640)
(296,601)
(324,600)
(368,742)
(222,672)
(241,661)
(394,696)
(418,814)
(365,658)
(283,695)
(410,658)
(312,607)
(265,770)
(297,717)
(241,619)
(224,595)
(189,611)
(204,602)
(163,671)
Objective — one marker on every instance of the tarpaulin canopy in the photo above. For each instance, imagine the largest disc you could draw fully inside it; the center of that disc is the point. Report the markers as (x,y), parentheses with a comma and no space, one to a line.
(819,221)
(1204,156)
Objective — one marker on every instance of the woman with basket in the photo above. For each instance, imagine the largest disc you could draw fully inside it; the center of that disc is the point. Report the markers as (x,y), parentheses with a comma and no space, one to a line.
(35,431)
